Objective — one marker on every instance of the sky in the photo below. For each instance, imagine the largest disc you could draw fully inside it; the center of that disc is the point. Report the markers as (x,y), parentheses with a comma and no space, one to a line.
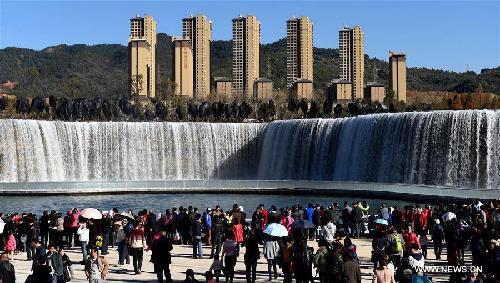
(450,35)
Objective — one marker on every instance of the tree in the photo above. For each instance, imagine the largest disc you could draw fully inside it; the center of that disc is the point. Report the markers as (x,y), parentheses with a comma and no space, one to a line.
(166,89)
(389,97)
(304,106)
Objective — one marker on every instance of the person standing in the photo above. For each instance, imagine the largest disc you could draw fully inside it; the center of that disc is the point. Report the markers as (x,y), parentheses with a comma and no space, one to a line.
(437,238)
(39,256)
(121,242)
(96,267)
(395,246)
(346,218)
(217,233)
(271,252)
(207,223)
(83,236)
(73,227)
(351,271)
(196,232)
(44,227)
(106,224)
(252,254)
(10,244)
(329,229)
(68,273)
(55,261)
(161,258)
(357,214)
(137,243)
(321,261)
(229,256)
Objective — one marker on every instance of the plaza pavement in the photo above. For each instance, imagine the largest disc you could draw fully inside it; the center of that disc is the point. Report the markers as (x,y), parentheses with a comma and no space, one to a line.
(182,260)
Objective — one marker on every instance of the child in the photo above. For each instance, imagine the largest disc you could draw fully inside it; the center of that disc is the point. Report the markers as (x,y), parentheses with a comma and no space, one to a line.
(423,243)
(216,268)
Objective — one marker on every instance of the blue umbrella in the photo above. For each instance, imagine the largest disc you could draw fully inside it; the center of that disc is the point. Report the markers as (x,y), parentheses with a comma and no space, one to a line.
(381,221)
(276,230)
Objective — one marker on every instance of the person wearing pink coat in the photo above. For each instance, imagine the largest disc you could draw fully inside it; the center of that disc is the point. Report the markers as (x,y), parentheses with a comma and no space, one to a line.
(10,245)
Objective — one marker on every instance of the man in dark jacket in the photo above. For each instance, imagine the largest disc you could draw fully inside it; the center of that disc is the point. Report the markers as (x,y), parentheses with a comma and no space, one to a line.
(54,259)
(40,254)
(196,232)
(357,214)
(252,253)
(7,271)
(217,234)
(161,258)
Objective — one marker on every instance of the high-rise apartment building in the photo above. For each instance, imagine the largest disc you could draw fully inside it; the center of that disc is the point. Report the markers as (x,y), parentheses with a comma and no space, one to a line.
(183,66)
(246,48)
(142,56)
(199,30)
(352,59)
(299,49)
(397,75)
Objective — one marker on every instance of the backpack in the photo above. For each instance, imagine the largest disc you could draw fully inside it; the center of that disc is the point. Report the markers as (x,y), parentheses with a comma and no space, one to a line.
(396,245)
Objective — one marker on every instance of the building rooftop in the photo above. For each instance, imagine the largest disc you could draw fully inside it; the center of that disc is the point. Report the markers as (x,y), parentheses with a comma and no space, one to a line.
(396,54)
(241,17)
(191,16)
(180,38)
(338,81)
(301,80)
(222,79)
(374,84)
(263,80)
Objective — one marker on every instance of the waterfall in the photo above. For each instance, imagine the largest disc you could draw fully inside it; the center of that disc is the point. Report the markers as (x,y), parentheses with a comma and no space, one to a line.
(38,151)
(452,148)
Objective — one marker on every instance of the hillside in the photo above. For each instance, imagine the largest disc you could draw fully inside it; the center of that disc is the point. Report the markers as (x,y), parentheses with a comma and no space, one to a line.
(101,70)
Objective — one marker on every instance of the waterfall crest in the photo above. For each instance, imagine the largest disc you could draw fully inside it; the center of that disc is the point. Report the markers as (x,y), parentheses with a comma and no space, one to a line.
(37,151)
(452,148)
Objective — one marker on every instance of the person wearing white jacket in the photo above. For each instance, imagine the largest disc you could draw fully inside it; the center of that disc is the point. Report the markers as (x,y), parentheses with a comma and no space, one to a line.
(329,232)
(83,236)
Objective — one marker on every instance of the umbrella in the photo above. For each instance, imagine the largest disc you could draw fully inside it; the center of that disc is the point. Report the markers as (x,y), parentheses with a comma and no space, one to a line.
(381,221)
(91,213)
(277,230)
(127,215)
(449,216)
(302,224)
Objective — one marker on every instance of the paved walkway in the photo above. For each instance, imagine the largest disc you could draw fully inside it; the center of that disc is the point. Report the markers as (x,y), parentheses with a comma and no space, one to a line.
(182,260)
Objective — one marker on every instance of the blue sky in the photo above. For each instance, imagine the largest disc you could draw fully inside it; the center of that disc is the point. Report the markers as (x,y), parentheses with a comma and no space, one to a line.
(452,35)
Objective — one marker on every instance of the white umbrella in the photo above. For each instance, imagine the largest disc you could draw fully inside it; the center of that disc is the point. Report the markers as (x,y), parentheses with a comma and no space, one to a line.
(276,230)
(91,213)
(127,215)
(448,216)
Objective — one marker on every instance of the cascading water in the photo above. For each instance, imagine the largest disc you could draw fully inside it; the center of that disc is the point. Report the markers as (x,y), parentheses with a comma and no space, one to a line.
(34,151)
(453,148)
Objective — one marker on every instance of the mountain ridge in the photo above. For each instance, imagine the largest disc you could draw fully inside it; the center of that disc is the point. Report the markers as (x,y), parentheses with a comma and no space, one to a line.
(100,70)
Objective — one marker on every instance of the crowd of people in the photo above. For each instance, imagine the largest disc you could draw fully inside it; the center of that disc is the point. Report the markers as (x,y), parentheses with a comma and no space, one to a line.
(301,243)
